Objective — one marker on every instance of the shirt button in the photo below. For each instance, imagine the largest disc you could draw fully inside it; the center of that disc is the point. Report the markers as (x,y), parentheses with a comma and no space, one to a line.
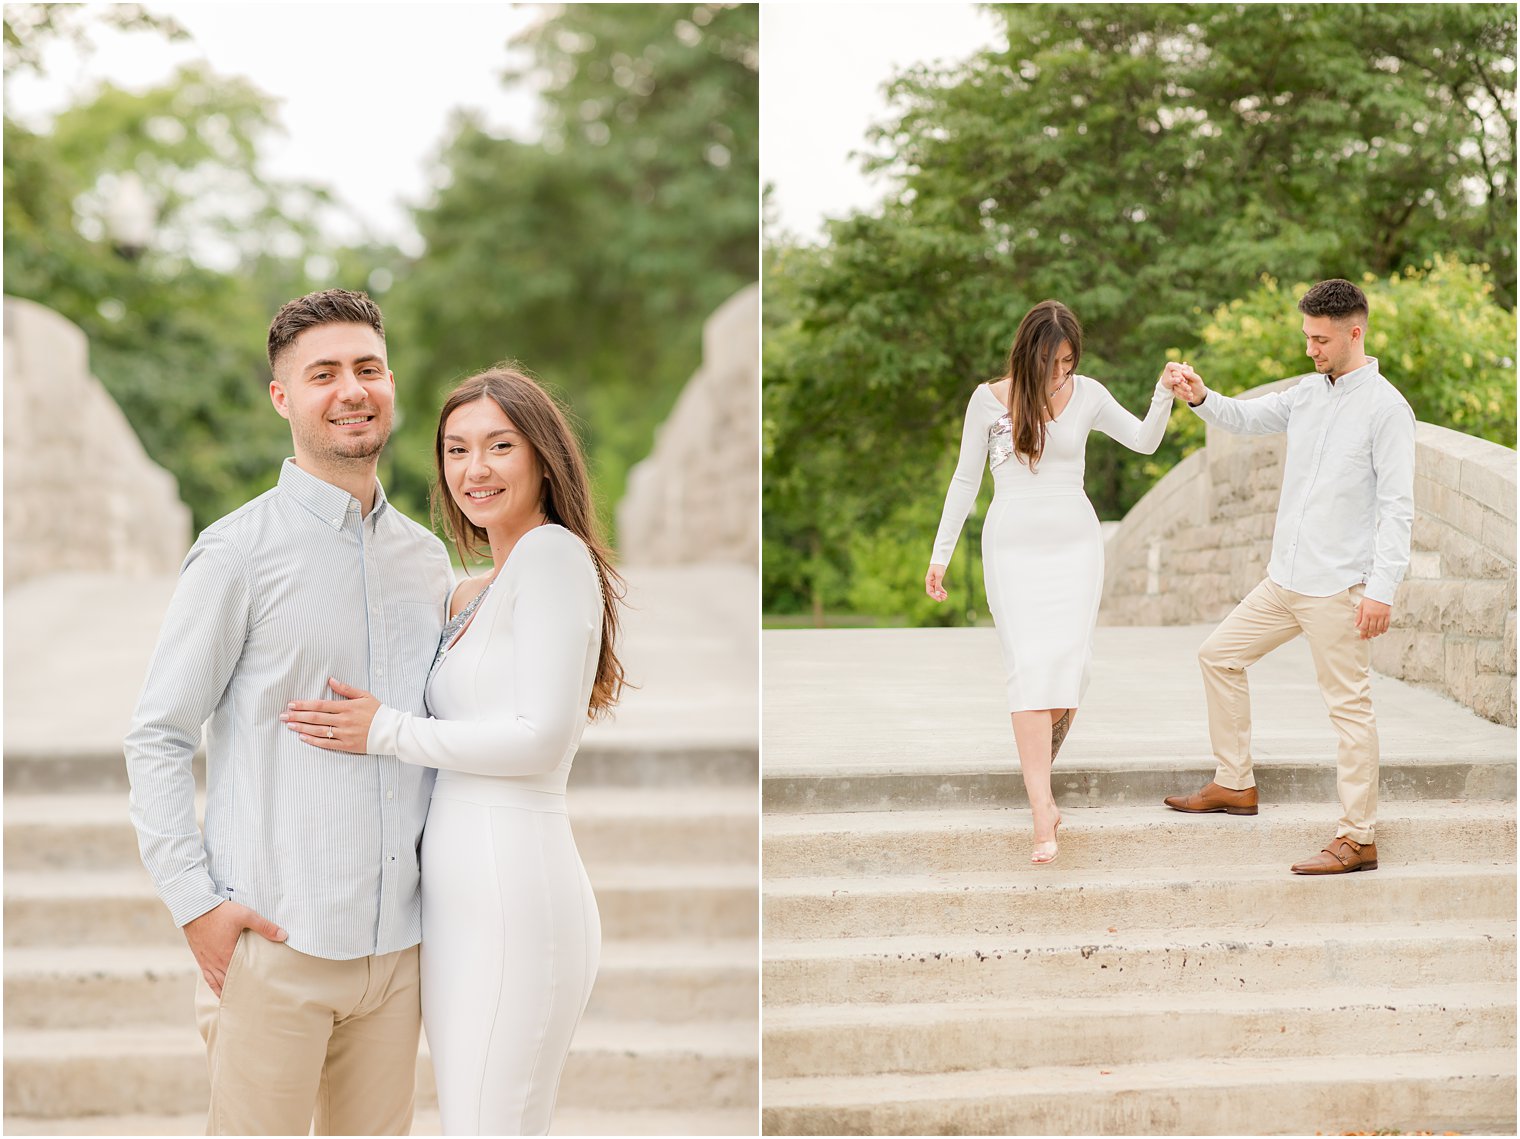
(389,794)
(393,858)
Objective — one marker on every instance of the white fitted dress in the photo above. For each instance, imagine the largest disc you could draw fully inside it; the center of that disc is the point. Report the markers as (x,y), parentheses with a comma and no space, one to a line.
(510,932)
(1042,549)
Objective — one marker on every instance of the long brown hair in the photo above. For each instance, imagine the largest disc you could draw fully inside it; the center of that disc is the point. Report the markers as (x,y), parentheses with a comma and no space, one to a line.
(1041,333)
(567,499)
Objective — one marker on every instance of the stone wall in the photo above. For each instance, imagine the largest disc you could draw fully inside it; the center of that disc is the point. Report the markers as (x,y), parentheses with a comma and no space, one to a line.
(696,498)
(80,492)
(1200,540)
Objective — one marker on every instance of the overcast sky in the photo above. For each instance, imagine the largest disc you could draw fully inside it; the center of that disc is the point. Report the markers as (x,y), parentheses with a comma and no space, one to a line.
(407,66)
(823,67)
(354,81)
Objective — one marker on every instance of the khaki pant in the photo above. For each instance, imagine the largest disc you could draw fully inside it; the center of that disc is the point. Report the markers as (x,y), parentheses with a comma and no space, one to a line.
(1271,616)
(295,1035)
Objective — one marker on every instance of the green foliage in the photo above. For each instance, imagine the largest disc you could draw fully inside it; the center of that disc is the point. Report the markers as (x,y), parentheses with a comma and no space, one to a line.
(1436,330)
(178,345)
(1140,163)
(594,258)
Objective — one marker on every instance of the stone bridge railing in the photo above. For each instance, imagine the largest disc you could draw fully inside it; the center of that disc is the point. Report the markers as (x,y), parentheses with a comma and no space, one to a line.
(694,498)
(81,494)
(1200,540)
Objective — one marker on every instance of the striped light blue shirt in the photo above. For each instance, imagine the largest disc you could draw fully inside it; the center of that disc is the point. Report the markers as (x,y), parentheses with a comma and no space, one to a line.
(1347,501)
(273,599)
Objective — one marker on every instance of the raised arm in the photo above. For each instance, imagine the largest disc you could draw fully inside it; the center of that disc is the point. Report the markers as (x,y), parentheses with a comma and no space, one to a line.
(1142,435)
(554,610)
(198,648)
(1264,415)
(1393,468)
(967,479)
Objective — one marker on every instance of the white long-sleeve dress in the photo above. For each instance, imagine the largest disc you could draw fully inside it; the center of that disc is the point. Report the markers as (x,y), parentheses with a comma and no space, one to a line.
(1042,548)
(510,932)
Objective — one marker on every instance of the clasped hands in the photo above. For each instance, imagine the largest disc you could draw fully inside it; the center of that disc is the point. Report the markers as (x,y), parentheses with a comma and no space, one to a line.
(1186,384)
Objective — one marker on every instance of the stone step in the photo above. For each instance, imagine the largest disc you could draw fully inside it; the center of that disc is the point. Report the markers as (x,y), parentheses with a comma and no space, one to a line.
(93,987)
(1123,1028)
(642,760)
(1118,838)
(1465,1091)
(1262,956)
(996,781)
(84,830)
(569,1121)
(636,901)
(1067,900)
(633,1065)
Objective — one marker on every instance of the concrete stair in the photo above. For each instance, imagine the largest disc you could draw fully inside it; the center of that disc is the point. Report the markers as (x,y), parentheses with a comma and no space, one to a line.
(1166,975)
(100,1035)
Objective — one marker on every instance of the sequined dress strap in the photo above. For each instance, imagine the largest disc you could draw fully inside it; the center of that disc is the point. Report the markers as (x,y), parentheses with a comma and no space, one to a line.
(451,630)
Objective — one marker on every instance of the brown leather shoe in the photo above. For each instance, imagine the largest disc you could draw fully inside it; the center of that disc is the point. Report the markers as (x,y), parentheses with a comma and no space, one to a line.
(1213,797)
(1342,856)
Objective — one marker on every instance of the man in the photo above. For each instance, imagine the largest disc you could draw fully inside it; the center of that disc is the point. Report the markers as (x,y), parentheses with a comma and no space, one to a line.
(301,905)
(1339,550)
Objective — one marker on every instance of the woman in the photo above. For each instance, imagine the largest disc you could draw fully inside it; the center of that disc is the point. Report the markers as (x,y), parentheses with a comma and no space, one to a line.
(510,932)
(1042,550)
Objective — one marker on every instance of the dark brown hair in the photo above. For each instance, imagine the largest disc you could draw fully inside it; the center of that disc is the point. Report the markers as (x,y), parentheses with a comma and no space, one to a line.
(1337,298)
(567,498)
(1040,336)
(330,306)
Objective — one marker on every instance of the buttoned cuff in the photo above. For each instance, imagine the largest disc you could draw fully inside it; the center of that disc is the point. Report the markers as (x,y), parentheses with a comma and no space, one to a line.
(1381,589)
(190,896)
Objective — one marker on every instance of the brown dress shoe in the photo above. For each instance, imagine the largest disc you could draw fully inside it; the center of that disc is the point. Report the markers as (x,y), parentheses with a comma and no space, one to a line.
(1342,856)
(1215,798)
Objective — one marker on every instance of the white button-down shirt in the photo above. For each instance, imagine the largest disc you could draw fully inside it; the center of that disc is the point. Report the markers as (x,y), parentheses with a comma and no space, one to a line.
(273,599)
(1348,479)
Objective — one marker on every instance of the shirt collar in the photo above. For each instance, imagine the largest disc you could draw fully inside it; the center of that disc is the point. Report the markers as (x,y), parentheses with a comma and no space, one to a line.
(1356,377)
(330,503)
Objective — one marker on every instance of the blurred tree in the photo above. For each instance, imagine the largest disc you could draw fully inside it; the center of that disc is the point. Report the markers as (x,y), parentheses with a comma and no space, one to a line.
(175,311)
(594,256)
(1139,162)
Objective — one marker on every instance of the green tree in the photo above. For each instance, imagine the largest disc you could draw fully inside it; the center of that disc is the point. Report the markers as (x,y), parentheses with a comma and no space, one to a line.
(1139,162)
(595,255)
(1437,331)
(175,324)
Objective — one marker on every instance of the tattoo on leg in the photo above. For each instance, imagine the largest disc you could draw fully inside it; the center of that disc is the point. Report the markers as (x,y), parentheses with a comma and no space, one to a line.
(1058,732)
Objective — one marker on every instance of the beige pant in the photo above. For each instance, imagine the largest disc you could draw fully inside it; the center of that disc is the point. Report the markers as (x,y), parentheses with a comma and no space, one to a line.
(294,1034)
(1271,616)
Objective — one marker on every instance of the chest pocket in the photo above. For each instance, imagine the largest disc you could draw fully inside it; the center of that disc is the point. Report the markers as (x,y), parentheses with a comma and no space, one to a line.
(417,628)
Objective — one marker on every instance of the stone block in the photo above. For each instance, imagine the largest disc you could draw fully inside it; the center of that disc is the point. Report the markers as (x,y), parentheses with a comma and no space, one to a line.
(1493,698)
(1490,656)
(1436,462)
(1497,533)
(1424,564)
(1427,532)
(1484,606)
(1464,555)
(1509,642)
(1490,480)
(1432,605)
(1461,669)
(1451,506)
(1415,655)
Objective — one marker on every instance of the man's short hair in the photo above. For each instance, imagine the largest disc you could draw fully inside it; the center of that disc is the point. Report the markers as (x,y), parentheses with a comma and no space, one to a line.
(330,306)
(1336,298)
